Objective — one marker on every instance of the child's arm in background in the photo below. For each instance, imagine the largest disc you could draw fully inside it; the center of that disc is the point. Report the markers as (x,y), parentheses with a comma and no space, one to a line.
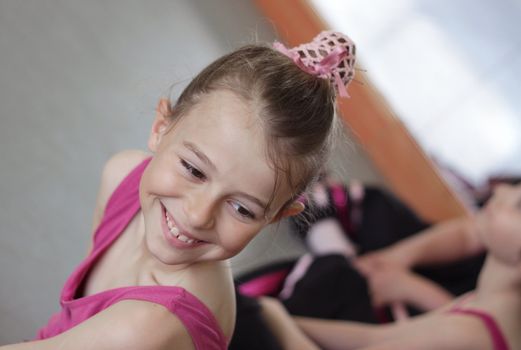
(114,171)
(390,285)
(441,243)
(341,335)
(432,331)
(128,324)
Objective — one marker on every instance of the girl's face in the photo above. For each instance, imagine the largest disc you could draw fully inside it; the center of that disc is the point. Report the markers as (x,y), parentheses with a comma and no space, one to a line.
(204,193)
(499,224)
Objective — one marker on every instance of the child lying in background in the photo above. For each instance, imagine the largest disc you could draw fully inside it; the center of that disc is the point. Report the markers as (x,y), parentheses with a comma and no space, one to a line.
(341,222)
(332,278)
(488,318)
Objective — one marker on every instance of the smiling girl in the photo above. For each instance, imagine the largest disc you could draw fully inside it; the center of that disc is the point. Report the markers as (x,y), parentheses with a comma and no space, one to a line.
(229,157)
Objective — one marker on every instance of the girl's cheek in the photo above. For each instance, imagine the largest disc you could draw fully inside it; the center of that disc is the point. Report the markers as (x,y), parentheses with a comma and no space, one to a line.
(238,239)
(165,181)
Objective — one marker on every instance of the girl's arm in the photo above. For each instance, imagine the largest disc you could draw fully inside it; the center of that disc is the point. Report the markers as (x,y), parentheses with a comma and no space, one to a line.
(283,326)
(128,324)
(391,285)
(341,335)
(442,243)
(433,331)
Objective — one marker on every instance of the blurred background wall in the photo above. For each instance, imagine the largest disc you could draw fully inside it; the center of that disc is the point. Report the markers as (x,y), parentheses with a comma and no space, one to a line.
(78,82)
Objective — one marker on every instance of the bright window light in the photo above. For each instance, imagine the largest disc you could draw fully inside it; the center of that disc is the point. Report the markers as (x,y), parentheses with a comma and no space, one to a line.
(449,69)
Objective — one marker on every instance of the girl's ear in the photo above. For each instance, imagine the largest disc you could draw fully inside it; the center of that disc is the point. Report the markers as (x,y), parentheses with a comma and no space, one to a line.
(295,208)
(160,124)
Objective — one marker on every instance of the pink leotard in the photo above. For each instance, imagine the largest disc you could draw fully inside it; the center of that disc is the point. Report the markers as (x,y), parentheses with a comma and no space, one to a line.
(121,208)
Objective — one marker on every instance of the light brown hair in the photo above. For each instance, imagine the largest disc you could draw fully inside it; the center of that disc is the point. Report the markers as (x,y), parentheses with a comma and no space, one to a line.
(295,108)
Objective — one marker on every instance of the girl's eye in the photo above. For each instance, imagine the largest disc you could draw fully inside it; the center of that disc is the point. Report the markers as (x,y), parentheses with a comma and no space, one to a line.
(193,170)
(242,211)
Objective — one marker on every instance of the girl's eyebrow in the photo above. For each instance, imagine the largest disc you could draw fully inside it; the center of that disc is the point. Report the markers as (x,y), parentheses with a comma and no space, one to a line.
(199,154)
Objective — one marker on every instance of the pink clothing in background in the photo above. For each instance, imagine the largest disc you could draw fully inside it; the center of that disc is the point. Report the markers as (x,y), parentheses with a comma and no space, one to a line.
(120,209)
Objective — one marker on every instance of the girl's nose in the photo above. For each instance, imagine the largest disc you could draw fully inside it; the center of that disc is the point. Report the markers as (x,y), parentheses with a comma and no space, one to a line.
(199,210)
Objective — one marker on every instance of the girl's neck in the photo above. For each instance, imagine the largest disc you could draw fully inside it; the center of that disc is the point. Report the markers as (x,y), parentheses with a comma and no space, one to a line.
(498,277)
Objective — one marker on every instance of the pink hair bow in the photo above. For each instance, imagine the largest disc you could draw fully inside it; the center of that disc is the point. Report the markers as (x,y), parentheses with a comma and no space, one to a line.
(330,55)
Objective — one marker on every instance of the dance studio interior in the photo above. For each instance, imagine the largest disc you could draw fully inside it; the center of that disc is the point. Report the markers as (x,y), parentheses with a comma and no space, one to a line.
(432,119)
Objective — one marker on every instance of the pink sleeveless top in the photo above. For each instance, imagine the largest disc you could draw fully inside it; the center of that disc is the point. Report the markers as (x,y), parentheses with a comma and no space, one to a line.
(120,209)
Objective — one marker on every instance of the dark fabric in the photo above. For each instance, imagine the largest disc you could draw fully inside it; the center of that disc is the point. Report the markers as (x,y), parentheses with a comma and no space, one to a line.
(251,331)
(385,220)
(459,277)
(331,289)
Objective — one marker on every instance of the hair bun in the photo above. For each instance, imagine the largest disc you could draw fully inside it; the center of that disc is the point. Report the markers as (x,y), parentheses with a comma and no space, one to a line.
(330,55)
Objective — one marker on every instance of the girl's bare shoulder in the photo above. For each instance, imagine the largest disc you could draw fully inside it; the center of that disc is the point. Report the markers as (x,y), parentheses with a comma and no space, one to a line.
(502,308)
(212,283)
(119,165)
(115,169)
(505,308)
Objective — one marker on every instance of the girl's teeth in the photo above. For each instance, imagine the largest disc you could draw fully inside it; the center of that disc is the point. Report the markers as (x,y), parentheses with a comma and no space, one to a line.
(175,232)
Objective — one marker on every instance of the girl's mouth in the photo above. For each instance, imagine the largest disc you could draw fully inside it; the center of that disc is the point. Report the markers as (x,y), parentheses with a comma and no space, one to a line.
(172,233)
